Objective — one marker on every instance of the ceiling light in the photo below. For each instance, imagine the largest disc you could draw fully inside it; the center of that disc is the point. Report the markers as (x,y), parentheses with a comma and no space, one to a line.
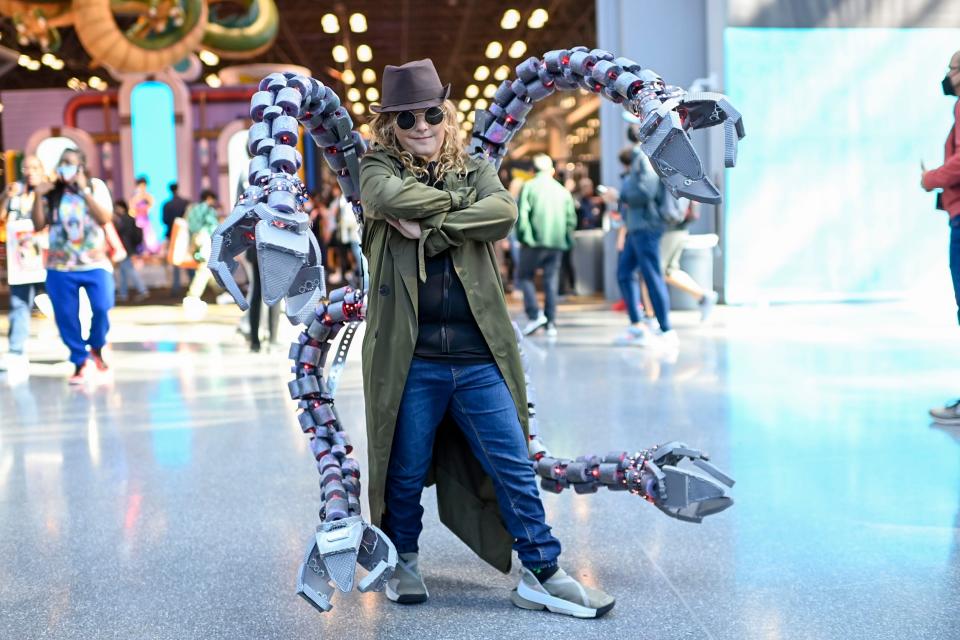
(464,105)
(348,77)
(489,90)
(365,129)
(353,94)
(208,57)
(472,91)
(510,19)
(358,108)
(48,59)
(57,64)
(33,65)
(517,49)
(369,76)
(538,18)
(329,23)
(213,80)
(482,73)
(372,94)
(481,104)
(502,72)
(460,116)
(340,53)
(23,60)
(471,117)
(364,53)
(358,23)
(494,49)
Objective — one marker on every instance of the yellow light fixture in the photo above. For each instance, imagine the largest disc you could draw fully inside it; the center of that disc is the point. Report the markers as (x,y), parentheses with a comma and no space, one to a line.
(464,105)
(481,104)
(33,65)
(48,59)
(538,18)
(213,80)
(471,117)
(489,90)
(365,129)
(57,64)
(372,94)
(517,49)
(358,23)
(461,116)
(23,60)
(494,49)
(348,77)
(502,72)
(208,57)
(364,53)
(472,91)
(482,73)
(369,76)
(353,94)
(329,23)
(340,53)
(510,19)
(358,108)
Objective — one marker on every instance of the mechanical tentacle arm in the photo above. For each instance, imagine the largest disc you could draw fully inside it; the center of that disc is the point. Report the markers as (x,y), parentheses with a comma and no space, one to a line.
(667,113)
(653,473)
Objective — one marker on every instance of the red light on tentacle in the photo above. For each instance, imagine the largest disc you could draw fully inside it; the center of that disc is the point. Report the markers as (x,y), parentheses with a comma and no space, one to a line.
(612,74)
(548,84)
(597,87)
(279,225)
(509,120)
(565,60)
(590,65)
(595,473)
(332,150)
(249,236)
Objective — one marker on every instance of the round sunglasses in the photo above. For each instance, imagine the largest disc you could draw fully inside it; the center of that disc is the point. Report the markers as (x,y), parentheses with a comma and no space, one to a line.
(408,119)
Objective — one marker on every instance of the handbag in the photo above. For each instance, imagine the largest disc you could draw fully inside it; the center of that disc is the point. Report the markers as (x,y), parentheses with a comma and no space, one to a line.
(180,249)
(115,250)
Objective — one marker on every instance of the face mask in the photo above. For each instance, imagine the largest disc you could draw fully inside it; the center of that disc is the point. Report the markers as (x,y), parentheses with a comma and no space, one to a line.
(948,89)
(67,172)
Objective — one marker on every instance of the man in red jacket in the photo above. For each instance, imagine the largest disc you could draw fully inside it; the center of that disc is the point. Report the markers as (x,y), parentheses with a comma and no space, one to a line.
(947,178)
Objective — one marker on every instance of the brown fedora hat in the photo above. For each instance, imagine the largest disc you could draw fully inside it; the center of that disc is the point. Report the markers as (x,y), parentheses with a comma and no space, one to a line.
(414,85)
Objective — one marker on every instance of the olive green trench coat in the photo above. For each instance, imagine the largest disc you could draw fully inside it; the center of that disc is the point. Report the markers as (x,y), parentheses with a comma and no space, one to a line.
(466,217)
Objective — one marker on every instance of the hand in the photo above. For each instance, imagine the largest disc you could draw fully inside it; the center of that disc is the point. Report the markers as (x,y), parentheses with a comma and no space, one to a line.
(43,187)
(923,175)
(81,180)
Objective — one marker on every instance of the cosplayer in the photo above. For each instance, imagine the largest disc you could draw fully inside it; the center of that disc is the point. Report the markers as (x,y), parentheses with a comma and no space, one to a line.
(446,391)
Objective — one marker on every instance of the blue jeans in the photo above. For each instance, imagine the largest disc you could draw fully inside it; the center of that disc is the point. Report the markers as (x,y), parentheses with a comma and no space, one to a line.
(477,398)
(531,259)
(955,259)
(21,300)
(126,271)
(641,250)
(63,287)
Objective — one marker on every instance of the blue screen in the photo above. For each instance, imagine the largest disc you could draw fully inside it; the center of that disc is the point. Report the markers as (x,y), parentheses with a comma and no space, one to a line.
(154,144)
(825,202)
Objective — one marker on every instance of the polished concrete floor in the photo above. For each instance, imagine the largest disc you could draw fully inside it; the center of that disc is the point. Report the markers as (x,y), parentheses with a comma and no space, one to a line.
(173,498)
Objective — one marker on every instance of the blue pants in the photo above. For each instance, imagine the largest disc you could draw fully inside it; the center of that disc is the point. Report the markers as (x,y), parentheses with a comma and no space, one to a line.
(63,287)
(531,259)
(21,300)
(955,259)
(477,398)
(127,272)
(641,250)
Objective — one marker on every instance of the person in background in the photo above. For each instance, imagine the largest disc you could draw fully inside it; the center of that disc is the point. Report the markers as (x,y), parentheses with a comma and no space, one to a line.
(947,178)
(141,202)
(16,203)
(672,242)
(131,236)
(174,208)
(640,198)
(202,220)
(547,218)
(76,208)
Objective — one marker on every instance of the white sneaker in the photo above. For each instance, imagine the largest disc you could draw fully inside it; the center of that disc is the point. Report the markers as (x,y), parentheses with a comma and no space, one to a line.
(638,336)
(669,339)
(194,308)
(707,304)
(533,325)
(560,594)
(16,366)
(551,330)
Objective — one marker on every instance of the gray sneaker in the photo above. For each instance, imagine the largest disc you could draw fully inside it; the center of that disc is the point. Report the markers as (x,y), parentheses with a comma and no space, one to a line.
(406,586)
(949,414)
(560,594)
(707,304)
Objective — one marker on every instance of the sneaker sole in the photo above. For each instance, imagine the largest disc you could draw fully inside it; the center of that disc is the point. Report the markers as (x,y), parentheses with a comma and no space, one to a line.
(406,598)
(526,598)
(952,422)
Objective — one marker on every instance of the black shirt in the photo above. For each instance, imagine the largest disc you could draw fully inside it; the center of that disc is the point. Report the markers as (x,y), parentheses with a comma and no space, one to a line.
(448,332)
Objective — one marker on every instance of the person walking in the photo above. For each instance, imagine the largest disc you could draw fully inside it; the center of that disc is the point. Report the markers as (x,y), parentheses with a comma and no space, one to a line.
(443,382)
(16,205)
(174,208)
(640,198)
(76,208)
(131,236)
(202,220)
(547,218)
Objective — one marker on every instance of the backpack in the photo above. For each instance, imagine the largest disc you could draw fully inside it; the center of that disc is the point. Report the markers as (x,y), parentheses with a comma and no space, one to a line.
(669,209)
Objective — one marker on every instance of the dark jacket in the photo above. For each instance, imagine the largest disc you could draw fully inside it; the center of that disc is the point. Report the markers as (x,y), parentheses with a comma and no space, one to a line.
(131,236)
(174,208)
(640,200)
(465,218)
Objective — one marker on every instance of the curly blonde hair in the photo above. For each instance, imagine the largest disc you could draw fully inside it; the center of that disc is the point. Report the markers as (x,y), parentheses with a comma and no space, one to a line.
(453,154)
